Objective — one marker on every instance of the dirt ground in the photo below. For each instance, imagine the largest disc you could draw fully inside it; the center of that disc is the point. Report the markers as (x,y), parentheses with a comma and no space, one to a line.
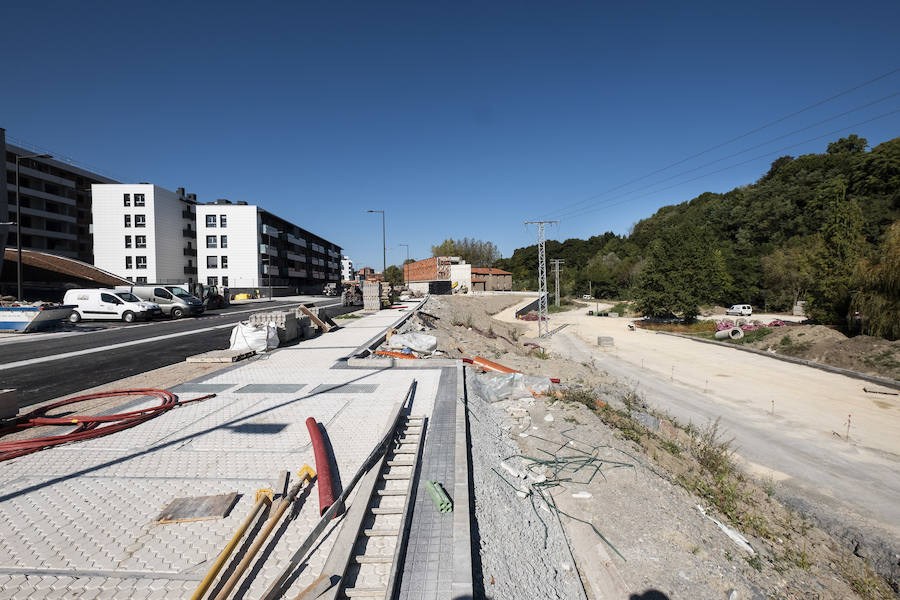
(863,353)
(649,512)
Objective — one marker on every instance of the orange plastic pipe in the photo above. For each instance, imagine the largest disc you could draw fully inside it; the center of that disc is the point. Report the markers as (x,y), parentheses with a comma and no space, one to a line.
(489,365)
(393,354)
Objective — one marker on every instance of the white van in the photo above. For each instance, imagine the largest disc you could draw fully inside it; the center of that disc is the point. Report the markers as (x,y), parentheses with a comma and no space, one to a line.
(741,310)
(173,300)
(109,304)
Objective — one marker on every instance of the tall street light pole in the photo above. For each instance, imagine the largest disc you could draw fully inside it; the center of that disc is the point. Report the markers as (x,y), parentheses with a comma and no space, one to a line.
(19,223)
(383,241)
(406,261)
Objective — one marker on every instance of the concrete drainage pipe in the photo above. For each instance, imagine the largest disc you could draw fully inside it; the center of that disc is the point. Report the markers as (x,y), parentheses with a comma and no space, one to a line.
(734,333)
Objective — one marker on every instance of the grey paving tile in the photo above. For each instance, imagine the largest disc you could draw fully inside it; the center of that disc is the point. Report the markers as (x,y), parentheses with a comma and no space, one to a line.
(209,388)
(346,388)
(270,388)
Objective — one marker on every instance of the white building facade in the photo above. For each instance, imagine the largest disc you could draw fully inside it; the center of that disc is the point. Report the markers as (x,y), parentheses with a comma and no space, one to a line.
(144,233)
(243,247)
(347,273)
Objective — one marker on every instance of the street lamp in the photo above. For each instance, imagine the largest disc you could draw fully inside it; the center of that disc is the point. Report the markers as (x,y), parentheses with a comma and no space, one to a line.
(383,241)
(406,261)
(19,223)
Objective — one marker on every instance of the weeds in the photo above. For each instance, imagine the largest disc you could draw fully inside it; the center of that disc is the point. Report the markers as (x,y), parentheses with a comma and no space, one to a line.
(349,316)
(755,561)
(538,353)
(513,334)
(671,447)
(578,395)
(713,452)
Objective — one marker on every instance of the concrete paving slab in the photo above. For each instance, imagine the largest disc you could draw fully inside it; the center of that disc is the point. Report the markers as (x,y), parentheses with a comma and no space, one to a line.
(270,388)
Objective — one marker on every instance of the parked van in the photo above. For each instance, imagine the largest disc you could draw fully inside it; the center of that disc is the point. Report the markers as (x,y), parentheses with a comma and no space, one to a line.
(174,301)
(741,310)
(109,304)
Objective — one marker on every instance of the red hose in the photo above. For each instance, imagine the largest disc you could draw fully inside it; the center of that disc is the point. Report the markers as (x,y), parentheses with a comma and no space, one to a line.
(88,425)
(323,467)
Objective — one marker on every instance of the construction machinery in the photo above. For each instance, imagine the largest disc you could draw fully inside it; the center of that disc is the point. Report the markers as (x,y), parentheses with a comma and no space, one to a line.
(212,295)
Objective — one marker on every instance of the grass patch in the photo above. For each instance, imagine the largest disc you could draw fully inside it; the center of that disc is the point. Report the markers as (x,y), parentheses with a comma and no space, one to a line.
(576,395)
(349,316)
(697,327)
(752,336)
(623,308)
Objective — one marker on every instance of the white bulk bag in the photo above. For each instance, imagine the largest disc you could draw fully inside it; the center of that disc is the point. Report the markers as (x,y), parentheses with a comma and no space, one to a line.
(257,338)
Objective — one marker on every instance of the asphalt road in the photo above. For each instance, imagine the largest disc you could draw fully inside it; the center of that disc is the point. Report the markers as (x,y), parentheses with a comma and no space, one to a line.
(94,353)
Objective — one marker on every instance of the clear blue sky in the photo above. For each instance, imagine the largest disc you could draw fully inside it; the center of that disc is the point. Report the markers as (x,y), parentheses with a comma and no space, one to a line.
(457,118)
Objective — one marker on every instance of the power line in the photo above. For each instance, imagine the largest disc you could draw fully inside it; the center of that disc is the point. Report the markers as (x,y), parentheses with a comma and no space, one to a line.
(589,210)
(732,155)
(734,139)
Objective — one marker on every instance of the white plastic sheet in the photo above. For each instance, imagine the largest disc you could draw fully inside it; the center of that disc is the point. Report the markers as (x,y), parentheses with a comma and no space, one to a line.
(419,342)
(258,338)
(495,387)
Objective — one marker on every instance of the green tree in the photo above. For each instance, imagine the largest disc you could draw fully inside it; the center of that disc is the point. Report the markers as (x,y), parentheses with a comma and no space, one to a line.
(478,253)
(841,250)
(682,272)
(789,272)
(877,279)
(852,144)
(394,275)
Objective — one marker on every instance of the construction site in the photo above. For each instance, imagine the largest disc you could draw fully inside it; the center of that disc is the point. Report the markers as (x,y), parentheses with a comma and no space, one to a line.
(442,447)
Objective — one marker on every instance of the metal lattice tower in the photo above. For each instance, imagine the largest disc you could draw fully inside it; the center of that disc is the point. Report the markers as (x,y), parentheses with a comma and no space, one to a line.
(556,262)
(543,323)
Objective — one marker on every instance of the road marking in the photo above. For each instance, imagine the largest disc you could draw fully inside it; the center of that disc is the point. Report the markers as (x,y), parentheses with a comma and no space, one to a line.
(43,359)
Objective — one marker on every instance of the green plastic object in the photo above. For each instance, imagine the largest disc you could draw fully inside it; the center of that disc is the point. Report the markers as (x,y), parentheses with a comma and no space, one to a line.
(444,497)
(441,502)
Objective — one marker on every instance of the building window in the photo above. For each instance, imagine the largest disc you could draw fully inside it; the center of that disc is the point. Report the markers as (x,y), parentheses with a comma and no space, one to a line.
(128,263)
(223,221)
(141,280)
(223,241)
(140,262)
(210,220)
(140,241)
(138,199)
(224,262)
(210,241)
(128,241)
(127,199)
(140,220)
(225,281)
(127,220)
(212,262)
(212,281)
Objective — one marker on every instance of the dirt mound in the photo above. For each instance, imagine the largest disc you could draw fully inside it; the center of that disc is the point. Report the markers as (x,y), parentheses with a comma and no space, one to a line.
(863,353)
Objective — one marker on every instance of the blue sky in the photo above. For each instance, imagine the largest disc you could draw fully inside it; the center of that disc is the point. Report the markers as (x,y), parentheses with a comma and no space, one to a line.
(457,118)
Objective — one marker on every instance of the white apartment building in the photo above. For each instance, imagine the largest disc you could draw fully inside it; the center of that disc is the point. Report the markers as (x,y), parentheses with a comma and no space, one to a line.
(347,273)
(144,233)
(242,246)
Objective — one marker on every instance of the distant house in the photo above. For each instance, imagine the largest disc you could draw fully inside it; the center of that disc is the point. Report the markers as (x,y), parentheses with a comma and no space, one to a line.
(369,274)
(489,279)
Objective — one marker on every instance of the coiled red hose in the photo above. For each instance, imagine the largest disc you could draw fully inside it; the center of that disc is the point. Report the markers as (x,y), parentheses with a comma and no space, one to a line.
(89,426)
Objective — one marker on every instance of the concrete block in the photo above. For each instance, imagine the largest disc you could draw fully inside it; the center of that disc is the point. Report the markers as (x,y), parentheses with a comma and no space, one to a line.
(9,403)
(220,356)
(285,323)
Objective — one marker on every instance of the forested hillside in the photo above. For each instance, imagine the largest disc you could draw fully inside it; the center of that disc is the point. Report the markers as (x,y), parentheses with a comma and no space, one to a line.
(808,229)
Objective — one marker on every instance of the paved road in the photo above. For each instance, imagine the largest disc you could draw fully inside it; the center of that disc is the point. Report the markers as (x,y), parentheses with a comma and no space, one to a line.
(53,365)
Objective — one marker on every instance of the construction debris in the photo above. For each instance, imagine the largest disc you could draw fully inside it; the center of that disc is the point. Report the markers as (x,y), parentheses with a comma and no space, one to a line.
(197,508)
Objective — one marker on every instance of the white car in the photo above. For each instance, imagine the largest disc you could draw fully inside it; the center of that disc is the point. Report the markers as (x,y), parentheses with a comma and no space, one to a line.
(741,310)
(109,304)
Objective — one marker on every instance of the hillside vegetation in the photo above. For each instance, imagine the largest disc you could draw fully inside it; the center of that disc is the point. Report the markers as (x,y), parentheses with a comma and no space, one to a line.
(819,227)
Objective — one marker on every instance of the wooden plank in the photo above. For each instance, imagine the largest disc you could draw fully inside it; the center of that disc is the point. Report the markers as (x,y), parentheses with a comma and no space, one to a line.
(198,508)
(325,327)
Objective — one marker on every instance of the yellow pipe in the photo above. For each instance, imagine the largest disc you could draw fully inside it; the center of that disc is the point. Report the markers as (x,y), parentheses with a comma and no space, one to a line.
(305,474)
(261,501)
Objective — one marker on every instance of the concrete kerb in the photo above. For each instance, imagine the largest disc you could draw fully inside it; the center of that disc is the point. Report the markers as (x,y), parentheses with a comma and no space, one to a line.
(884,381)
(461,585)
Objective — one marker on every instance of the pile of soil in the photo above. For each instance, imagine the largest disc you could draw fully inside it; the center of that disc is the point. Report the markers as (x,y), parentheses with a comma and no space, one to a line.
(863,353)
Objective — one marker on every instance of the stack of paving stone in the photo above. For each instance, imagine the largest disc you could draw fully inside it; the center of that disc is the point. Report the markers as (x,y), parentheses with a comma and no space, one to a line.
(285,322)
(305,326)
(372,295)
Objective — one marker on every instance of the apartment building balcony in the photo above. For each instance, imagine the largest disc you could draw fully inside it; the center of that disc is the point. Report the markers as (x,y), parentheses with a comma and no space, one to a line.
(291,239)
(296,257)
(297,273)
(269,230)
(334,276)
(190,270)
(333,254)
(188,214)
(189,251)
(191,233)
(318,275)
(270,270)
(267,249)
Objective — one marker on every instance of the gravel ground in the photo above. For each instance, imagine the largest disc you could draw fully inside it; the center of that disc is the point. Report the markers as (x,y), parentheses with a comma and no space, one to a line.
(515,563)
